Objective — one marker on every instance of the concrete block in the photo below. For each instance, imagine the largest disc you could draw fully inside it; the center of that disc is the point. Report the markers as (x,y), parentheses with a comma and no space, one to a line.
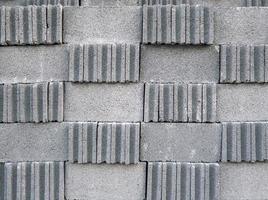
(39,2)
(190,142)
(244,181)
(98,24)
(103,102)
(118,181)
(38,102)
(173,102)
(241,25)
(243,63)
(182,24)
(31,25)
(32,180)
(33,142)
(117,3)
(242,102)
(92,142)
(173,180)
(112,62)
(28,64)
(196,64)
(247,141)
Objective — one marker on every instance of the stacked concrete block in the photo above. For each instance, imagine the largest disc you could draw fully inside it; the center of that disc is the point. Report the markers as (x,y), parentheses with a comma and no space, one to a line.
(31,25)
(182,24)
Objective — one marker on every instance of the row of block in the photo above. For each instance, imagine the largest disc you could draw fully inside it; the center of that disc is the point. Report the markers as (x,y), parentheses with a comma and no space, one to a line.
(173,102)
(37,102)
(30,25)
(32,180)
(243,63)
(182,24)
(104,62)
(51,2)
(94,142)
(181,181)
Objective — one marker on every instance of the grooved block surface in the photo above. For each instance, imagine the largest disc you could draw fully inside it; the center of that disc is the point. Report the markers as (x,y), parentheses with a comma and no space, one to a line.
(174,180)
(33,142)
(117,3)
(32,180)
(242,102)
(33,64)
(87,24)
(92,142)
(244,181)
(195,64)
(241,25)
(118,181)
(103,102)
(180,142)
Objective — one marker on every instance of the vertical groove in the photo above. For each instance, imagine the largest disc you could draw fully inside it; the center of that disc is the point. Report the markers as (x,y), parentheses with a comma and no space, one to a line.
(151,102)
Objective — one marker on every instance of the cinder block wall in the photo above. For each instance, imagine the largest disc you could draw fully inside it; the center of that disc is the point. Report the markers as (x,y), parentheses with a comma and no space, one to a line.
(133,99)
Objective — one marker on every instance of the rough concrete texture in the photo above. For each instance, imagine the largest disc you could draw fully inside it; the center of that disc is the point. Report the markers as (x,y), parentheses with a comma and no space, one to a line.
(244,181)
(118,3)
(33,142)
(85,24)
(103,102)
(242,102)
(241,25)
(103,181)
(39,2)
(29,64)
(198,64)
(180,142)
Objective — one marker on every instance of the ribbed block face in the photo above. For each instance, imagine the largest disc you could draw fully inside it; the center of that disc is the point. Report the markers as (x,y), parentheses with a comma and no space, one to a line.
(249,3)
(31,25)
(243,63)
(51,2)
(167,102)
(182,24)
(104,62)
(182,181)
(245,141)
(38,102)
(92,142)
(32,180)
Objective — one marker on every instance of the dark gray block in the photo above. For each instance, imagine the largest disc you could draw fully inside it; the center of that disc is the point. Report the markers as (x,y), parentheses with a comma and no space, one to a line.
(243,63)
(169,102)
(103,102)
(92,142)
(183,24)
(185,64)
(102,24)
(241,25)
(242,102)
(180,142)
(174,180)
(244,181)
(112,62)
(119,182)
(32,180)
(33,64)
(245,141)
(33,142)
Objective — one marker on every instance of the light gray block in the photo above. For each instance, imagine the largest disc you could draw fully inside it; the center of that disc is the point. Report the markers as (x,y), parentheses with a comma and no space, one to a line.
(33,142)
(33,64)
(117,3)
(173,102)
(180,142)
(195,64)
(92,142)
(103,102)
(96,24)
(118,181)
(242,102)
(244,181)
(32,180)
(166,24)
(245,141)
(174,180)
(241,25)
